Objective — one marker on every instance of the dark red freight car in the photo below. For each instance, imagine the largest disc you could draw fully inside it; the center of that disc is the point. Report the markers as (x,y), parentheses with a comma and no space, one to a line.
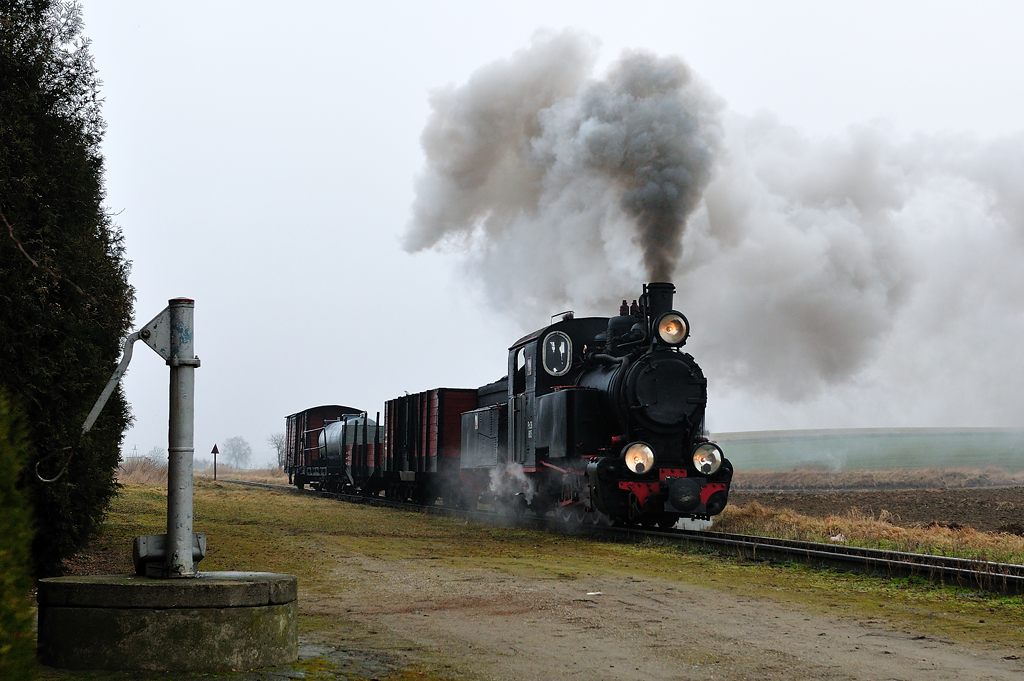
(422,440)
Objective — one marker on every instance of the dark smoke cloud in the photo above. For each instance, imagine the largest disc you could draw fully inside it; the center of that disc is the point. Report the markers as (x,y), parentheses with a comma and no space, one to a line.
(634,151)
(869,278)
(651,130)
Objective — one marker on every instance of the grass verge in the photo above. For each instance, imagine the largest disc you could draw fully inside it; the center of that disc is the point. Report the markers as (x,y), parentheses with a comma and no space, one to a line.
(858,529)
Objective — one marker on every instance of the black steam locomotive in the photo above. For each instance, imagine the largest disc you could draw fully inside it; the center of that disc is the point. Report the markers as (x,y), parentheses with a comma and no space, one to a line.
(597,418)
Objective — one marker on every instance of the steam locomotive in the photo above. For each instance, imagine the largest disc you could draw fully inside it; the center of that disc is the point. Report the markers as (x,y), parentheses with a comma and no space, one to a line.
(597,419)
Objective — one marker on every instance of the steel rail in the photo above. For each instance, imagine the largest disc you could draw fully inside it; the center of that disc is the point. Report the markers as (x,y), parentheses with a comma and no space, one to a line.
(1001,578)
(863,552)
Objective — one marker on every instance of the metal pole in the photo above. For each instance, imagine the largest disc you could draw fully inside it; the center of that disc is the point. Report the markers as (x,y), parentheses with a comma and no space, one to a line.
(180,440)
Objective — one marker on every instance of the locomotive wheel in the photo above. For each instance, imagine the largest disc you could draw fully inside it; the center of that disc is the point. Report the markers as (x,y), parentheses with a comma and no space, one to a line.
(570,514)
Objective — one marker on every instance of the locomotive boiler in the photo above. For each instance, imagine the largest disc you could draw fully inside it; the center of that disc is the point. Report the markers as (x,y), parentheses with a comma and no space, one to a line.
(598,418)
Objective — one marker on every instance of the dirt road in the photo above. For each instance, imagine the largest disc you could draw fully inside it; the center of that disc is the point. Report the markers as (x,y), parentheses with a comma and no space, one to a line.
(486,624)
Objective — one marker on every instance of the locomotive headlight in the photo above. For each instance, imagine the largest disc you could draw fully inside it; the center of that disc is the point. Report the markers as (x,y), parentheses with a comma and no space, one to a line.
(673,328)
(639,457)
(707,458)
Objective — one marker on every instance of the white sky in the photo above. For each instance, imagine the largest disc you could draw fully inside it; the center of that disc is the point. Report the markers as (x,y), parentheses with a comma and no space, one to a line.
(261,158)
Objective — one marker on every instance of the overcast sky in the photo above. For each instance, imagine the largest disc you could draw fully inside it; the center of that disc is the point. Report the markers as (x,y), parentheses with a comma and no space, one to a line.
(262,159)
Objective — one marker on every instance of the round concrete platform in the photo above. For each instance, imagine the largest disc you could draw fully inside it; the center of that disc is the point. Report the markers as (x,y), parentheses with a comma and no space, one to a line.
(216,621)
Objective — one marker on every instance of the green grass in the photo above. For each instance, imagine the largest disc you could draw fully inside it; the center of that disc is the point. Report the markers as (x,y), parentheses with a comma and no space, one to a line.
(270,531)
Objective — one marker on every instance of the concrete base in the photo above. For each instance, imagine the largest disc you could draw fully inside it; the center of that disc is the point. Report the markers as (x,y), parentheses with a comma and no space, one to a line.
(217,621)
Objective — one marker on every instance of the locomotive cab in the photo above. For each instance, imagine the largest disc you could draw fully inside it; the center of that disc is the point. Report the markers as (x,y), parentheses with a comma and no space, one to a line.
(549,415)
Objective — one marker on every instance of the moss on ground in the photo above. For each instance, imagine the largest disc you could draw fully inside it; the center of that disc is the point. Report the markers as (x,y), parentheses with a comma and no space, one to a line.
(252,529)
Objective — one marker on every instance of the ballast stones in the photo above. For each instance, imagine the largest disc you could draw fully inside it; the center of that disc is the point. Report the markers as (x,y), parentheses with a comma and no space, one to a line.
(216,621)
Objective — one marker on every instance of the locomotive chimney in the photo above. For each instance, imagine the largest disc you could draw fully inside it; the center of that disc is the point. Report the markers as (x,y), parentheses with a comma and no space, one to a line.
(659,298)
(623,309)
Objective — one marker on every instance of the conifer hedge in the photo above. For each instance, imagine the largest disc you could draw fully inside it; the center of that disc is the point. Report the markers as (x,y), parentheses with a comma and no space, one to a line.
(65,301)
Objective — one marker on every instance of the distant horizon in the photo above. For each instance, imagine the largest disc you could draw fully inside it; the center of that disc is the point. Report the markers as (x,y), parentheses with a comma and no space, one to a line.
(910,430)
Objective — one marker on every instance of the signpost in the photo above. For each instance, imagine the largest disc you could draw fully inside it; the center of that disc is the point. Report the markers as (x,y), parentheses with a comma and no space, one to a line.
(215,452)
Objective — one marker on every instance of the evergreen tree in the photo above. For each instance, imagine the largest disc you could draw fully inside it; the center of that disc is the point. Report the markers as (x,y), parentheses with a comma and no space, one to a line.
(65,301)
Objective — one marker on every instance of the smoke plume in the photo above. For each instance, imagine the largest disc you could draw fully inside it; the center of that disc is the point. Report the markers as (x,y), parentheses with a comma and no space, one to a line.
(535,150)
(871,278)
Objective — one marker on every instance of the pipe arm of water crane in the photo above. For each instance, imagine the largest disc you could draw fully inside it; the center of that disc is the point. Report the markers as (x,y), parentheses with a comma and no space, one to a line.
(126,357)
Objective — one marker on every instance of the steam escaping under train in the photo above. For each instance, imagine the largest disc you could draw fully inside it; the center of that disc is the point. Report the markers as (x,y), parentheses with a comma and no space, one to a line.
(598,418)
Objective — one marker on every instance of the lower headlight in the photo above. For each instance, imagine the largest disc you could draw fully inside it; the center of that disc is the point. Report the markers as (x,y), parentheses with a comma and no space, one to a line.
(639,457)
(707,458)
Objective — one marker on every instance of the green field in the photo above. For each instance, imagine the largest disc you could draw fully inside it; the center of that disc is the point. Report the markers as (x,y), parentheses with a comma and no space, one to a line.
(876,448)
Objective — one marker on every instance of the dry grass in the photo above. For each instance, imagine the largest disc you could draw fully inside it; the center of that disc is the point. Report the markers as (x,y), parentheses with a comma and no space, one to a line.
(275,475)
(859,529)
(897,478)
(140,470)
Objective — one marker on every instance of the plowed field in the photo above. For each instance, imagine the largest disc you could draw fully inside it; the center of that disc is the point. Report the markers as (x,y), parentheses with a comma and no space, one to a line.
(987,509)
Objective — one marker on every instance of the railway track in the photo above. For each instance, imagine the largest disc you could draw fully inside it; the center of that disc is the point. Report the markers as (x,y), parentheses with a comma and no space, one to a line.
(1001,578)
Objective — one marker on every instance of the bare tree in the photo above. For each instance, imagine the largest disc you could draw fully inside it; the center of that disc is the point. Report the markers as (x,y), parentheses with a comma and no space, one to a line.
(236,451)
(277,442)
(157,454)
